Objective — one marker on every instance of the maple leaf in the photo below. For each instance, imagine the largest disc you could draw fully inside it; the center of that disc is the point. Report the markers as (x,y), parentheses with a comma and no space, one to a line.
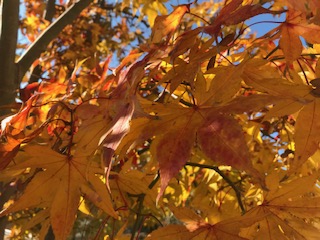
(200,98)
(295,26)
(221,139)
(196,227)
(184,42)
(225,84)
(137,183)
(164,26)
(286,211)
(109,122)
(260,75)
(172,152)
(114,137)
(233,13)
(181,72)
(306,134)
(290,43)
(58,187)
(14,132)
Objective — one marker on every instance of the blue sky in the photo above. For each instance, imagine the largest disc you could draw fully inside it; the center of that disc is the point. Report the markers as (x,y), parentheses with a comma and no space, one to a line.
(260,28)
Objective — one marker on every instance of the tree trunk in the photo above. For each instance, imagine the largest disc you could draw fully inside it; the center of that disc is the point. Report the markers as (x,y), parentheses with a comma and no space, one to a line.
(12,71)
(9,10)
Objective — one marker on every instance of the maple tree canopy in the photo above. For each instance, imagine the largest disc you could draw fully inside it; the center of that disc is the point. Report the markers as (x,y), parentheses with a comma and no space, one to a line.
(144,120)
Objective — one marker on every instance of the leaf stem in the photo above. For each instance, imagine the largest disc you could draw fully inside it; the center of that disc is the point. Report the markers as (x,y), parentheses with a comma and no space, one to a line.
(304,74)
(302,55)
(272,51)
(140,216)
(232,185)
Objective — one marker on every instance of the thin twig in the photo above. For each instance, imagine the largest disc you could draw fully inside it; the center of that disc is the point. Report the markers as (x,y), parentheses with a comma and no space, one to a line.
(232,185)
(140,216)
(304,74)
(272,52)
(40,44)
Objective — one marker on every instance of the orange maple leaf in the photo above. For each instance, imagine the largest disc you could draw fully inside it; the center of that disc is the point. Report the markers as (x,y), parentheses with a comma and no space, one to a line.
(164,26)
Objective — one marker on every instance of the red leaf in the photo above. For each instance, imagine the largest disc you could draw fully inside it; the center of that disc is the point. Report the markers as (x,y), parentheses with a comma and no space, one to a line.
(114,136)
(172,152)
(221,139)
(247,12)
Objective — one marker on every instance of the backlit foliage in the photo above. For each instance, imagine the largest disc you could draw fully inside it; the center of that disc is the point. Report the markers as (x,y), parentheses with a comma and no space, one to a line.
(154,121)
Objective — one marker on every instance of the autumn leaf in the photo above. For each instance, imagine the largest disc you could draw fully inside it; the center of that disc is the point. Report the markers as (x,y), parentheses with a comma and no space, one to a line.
(184,42)
(197,228)
(58,187)
(17,130)
(285,210)
(283,108)
(263,78)
(290,43)
(245,12)
(306,136)
(164,26)
(136,183)
(188,217)
(219,124)
(114,137)
(296,25)
(221,139)
(235,12)
(224,85)
(8,151)
(172,152)
(182,71)
(309,5)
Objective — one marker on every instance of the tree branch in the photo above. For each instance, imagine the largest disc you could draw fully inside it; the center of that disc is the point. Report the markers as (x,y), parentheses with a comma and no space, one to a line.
(234,187)
(139,218)
(47,15)
(50,10)
(38,46)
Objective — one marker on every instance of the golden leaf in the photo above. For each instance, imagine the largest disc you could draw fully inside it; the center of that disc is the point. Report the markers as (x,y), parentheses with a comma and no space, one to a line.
(58,187)
(290,43)
(306,134)
(164,26)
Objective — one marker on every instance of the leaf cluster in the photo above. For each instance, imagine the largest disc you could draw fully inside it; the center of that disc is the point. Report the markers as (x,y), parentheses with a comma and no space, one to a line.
(203,131)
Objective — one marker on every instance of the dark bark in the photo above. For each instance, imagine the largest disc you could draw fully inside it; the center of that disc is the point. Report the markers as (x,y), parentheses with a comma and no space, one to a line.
(50,10)
(6,191)
(8,42)
(8,75)
(50,234)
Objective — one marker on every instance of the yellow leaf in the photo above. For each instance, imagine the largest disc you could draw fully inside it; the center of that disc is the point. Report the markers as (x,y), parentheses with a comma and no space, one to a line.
(187,216)
(225,84)
(151,8)
(288,211)
(58,187)
(65,202)
(199,229)
(306,135)
(83,207)
(260,75)
(283,108)
(290,43)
